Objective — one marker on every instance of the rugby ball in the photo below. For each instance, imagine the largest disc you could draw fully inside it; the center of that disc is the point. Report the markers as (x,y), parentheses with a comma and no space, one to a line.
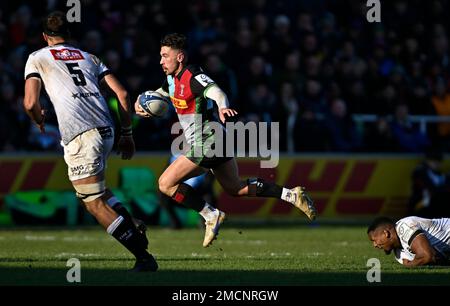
(154,103)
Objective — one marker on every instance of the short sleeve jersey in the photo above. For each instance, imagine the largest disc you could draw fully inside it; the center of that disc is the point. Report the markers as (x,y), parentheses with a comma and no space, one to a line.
(70,77)
(437,231)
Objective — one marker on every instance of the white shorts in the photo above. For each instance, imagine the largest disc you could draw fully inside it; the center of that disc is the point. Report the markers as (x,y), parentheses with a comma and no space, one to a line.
(86,154)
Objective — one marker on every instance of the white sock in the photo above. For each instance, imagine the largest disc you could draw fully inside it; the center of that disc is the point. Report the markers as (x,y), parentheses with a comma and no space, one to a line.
(208,212)
(286,195)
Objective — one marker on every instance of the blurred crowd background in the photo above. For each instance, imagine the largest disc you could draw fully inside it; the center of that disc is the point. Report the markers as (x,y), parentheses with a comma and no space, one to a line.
(310,65)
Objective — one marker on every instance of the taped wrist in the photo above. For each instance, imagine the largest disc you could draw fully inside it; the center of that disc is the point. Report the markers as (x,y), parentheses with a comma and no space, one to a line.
(187,196)
(126,131)
(260,188)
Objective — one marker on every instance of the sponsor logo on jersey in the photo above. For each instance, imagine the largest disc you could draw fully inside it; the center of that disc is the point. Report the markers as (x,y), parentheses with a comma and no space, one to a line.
(66,55)
(81,95)
(179,103)
(204,80)
(405,232)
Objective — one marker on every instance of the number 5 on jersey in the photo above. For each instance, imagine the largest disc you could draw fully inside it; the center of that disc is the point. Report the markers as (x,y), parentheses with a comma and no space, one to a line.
(77,74)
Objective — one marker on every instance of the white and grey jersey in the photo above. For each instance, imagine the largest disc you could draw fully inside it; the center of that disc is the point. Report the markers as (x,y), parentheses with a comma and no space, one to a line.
(71,78)
(437,232)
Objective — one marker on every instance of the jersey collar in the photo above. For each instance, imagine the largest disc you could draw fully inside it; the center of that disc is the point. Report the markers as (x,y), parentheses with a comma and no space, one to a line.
(178,76)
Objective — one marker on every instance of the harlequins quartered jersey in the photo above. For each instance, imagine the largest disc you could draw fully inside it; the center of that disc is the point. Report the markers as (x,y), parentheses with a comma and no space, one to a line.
(187,93)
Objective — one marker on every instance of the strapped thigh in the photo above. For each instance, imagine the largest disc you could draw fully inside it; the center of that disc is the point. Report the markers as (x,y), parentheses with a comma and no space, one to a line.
(90,192)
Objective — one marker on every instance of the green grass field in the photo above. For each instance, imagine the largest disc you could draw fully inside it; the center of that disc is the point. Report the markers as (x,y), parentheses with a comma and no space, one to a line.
(290,255)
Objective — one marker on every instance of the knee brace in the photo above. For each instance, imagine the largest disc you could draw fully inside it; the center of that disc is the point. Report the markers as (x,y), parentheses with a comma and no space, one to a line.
(90,192)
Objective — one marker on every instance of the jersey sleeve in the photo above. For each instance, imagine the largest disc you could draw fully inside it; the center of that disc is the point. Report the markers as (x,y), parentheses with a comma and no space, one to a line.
(401,254)
(200,82)
(165,86)
(102,70)
(407,229)
(31,70)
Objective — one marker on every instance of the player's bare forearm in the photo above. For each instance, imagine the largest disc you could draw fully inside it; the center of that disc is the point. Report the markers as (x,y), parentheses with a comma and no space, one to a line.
(35,114)
(124,110)
(419,261)
(125,144)
(425,253)
(124,100)
(31,102)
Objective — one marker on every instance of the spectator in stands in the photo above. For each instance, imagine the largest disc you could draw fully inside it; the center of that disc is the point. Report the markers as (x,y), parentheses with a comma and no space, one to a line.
(341,128)
(441,105)
(408,137)
(430,196)
(220,72)
(373,67)
(378,136)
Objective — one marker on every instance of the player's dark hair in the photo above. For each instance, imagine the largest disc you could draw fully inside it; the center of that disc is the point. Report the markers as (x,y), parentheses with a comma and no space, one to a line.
(379,222)
(55,24)
(175,41)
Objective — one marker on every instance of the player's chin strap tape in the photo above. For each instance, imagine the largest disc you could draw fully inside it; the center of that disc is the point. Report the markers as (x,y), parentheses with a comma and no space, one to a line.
(90,192)
(255,186)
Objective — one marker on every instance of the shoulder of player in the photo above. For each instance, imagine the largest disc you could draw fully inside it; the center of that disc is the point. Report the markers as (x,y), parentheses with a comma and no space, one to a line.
(194,69)
(38,52)
(43,52)
(199,77)
(402,224)
(410,220)
(93,57)
(408,228)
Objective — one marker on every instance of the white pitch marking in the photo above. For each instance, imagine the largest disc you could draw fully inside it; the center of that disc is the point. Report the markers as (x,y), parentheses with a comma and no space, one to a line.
(40,238)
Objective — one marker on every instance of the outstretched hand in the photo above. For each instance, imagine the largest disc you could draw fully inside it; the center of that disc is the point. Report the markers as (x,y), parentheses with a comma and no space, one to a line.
(228,112)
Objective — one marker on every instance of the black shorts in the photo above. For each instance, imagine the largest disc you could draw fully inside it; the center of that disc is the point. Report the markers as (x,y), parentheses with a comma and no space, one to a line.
(208,162)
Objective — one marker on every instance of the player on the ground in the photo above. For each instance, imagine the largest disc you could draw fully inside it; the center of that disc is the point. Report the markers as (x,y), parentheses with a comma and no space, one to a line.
(192,92)
(71,78)
(415,241)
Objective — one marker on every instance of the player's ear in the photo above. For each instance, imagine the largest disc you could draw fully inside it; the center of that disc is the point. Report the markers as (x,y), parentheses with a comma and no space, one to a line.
(387,233)
(180,57)
(44,36)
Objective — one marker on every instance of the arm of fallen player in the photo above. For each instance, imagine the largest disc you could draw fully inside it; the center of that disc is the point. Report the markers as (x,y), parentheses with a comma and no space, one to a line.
(425,253)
